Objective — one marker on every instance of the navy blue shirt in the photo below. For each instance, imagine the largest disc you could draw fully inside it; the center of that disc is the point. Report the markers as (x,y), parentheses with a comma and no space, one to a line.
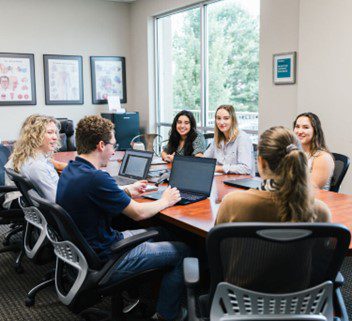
(92,198)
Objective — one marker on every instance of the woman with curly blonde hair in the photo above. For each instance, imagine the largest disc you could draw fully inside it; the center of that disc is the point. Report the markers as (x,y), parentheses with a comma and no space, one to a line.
(39,139)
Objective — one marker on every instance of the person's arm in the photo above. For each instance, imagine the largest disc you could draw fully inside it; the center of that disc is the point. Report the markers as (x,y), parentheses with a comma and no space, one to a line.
(199,146)
(227,209)
(140,211)
(210,151)
(323,168)
(322,211)
(44,178)
(136,188)
(167,157)
(244,161)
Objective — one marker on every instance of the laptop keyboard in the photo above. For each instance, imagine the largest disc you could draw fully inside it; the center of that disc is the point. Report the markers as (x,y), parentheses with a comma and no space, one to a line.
(190,196)
(124,180)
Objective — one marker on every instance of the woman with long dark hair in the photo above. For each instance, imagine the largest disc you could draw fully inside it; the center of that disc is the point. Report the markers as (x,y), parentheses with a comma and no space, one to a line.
(184,138)
(286,193)
(307,127)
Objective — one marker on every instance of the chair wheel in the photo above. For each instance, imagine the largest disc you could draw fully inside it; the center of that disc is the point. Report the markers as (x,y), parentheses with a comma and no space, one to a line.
(19,269)
(29,302)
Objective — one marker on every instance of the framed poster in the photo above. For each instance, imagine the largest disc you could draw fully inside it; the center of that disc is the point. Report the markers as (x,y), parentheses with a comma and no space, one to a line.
(108,78)
(284,68)
(63,77)
(17,79)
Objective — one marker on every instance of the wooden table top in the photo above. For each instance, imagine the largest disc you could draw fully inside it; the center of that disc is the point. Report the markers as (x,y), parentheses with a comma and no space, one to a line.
(199,217)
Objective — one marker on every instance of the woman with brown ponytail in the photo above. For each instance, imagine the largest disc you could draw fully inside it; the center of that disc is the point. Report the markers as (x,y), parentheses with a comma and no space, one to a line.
(285,195)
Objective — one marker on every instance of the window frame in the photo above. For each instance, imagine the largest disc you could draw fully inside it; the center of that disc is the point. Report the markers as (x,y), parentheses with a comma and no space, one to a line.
(204,72)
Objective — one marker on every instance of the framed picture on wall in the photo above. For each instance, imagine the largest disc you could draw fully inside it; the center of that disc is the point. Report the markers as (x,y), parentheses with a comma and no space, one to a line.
(17,79)
(108,78)
(284,68)
(63,77)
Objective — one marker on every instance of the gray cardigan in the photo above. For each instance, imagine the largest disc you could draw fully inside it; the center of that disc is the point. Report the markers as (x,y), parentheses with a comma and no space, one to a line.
(236,156)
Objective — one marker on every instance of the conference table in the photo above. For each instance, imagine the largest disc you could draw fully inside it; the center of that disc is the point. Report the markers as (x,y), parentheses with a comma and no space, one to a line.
(198,218)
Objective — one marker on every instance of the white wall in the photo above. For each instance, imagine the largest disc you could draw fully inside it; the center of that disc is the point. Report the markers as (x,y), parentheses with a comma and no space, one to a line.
(279,22)
(71,27)
(325,77)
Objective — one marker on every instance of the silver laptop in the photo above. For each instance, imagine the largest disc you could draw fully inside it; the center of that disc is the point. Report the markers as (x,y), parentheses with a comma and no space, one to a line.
(134,167)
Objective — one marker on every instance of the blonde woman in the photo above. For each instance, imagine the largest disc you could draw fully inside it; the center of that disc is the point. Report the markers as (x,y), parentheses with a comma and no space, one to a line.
(285,195)
(39,139)
(231,147)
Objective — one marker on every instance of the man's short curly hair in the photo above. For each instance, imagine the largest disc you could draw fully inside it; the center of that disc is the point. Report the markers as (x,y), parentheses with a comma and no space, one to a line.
(90,131)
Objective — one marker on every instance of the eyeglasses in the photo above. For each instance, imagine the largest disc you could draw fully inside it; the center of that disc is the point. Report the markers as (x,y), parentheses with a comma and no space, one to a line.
(114,146)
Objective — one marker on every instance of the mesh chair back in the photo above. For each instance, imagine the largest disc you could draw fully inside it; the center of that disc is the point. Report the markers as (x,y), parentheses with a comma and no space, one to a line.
(276,257)
(74,256)
(35,233)
(4,156)
(255,159)
(64,226)
(234,303)
(342,162)
(209,137)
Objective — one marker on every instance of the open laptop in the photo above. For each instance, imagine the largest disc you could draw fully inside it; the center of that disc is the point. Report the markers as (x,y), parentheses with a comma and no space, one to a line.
(135,166)
(193,176)
(246,183)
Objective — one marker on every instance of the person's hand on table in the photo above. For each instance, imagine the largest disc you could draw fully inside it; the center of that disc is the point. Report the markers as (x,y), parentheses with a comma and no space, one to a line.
(169,158)
(219,169)
(171,196)
(137,188)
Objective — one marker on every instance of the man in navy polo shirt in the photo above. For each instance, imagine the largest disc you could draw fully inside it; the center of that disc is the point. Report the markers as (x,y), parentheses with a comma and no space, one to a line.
(92,197)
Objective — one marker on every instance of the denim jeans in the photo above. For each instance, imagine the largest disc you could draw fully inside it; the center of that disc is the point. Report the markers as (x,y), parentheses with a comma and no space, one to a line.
(157,253)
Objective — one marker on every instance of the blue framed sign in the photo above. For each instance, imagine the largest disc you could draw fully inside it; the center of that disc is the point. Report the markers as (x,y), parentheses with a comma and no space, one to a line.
(284,68)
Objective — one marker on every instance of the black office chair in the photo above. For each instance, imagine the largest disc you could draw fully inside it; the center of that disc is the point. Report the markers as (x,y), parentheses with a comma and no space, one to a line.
(13,216)
(67,137)
(342,162)
(255,158)
(272,258)
(209,137)
(81,278)
(35,244)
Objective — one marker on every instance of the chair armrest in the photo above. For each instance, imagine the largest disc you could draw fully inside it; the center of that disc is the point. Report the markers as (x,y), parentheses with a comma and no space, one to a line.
(132,241)
(191,276)
(8,189)
(191,271)
(339,280)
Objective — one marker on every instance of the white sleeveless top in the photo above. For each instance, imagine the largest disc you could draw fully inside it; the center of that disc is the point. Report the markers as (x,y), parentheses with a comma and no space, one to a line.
(311,159)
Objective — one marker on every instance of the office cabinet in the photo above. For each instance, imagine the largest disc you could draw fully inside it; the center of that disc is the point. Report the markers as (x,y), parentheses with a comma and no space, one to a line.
(126,127)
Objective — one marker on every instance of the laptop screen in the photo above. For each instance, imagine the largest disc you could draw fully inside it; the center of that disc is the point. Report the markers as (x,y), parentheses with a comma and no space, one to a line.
(193,174)
(135,164)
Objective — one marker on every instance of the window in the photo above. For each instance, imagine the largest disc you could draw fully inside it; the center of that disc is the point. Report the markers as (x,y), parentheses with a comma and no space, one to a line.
(208,55)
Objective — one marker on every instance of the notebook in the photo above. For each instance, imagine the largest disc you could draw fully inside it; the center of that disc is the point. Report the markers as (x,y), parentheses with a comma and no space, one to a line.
(246,183)
(193,176)
(135,166)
